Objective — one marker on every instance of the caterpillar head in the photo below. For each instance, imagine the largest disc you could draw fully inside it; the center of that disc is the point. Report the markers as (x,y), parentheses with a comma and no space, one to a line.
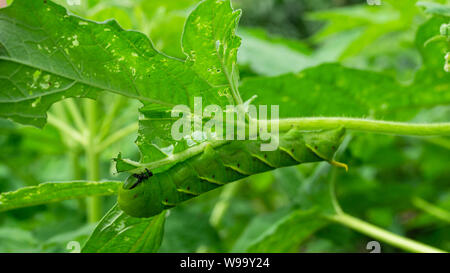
(137,197)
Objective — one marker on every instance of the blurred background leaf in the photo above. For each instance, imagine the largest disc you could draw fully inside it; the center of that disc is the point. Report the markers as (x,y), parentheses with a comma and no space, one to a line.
(279,36)
(55,192)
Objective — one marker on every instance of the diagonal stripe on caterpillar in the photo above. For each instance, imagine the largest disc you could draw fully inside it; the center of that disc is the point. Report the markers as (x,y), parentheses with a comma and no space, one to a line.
(149,194)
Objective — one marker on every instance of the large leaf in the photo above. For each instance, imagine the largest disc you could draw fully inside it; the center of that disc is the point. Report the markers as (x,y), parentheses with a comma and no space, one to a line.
(120,233)
(393,18)
(311,200)
(17,240)
(55,192)
(334,90)
(270,56)
(52,55)
(178,235)
(325,90)
(210,42)
(163,21)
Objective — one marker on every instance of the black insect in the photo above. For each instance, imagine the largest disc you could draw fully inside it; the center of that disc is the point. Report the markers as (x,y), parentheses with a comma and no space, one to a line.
(143,176)
(136,179)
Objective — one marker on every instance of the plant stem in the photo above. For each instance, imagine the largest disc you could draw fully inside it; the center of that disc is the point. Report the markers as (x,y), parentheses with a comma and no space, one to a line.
(59,119)
(381,234)
(118,135)
(77,174)
(366,125)
(105,128)
(76,115)
(222,204)
(431,209)
(65,128)
(332,188)
(94,208)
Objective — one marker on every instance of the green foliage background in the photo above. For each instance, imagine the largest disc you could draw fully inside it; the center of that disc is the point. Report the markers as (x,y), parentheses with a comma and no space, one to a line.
(313,58)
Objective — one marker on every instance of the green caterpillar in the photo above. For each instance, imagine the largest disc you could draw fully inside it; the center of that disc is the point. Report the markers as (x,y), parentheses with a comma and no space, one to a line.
(145,195)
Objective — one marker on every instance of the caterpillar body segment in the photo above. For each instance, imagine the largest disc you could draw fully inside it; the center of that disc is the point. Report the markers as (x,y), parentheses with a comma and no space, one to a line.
(145,196)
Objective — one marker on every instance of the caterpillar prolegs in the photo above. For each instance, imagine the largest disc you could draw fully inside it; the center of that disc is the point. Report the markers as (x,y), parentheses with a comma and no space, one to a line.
(149,194)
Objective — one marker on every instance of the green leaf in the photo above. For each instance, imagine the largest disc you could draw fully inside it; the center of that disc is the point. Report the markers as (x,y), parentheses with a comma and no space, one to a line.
(334,90)
(391,18)
(17,240)
(52,55)
(269,56)
(268,233)
(163,21)
(60,241)
(55,192)
(179,227)
(210,42)
(120,233)
(311,200)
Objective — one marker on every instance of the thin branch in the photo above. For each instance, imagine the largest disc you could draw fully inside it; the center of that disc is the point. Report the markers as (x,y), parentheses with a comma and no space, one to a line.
(105,127)
(94,204)
(332,188)
(60,112)
(65,128)
(124,132)
(366,125)
(222,205)
(431,209)
(76,114)
(381,234)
